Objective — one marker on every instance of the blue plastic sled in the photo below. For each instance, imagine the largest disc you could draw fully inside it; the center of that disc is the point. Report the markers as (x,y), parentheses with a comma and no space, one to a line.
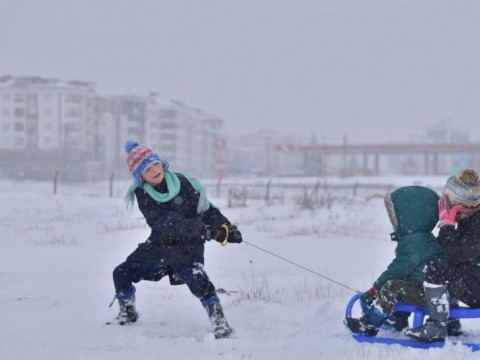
(419,314)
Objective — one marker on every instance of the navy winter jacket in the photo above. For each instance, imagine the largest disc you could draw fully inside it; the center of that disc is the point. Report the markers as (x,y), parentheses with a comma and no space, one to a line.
(176,226)
(462,245)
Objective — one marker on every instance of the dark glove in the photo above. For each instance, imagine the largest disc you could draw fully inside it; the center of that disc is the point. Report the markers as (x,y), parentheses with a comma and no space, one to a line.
(234,236)
(226,233)
(368,296)
(220,234)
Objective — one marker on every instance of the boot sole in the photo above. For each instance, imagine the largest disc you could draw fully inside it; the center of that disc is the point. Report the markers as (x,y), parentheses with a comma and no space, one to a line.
(425,339)
(224,335)
(456,334)
(367,332)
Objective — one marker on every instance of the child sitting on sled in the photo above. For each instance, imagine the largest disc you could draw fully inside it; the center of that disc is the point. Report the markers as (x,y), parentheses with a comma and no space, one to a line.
(457,275)
(412,210)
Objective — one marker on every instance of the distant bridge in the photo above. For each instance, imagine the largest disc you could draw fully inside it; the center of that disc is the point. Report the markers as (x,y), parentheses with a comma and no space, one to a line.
(316,154)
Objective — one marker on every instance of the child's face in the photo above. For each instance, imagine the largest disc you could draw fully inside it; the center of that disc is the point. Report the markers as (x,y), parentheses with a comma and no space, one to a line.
(153,174)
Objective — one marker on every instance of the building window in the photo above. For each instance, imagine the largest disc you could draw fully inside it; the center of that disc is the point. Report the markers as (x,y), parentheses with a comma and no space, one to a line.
(167,136)
(72,99)
(168,126)
(6,112)
(72,112)
(19,98)
(167,113)
(19,141)
(168,148)
(18,126)
(6,98)
(70,127)
(19,112)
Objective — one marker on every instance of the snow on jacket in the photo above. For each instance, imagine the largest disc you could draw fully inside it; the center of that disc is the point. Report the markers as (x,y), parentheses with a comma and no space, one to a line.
(414,212)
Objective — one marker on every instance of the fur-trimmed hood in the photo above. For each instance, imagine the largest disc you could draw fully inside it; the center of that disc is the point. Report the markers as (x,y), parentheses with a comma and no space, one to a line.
(412,209)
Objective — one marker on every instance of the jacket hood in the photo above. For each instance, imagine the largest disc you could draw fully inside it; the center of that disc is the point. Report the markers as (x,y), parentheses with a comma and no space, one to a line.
(412,209)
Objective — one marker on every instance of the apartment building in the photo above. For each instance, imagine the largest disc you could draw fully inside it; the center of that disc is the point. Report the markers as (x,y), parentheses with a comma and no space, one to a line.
(188,139)
(48,125)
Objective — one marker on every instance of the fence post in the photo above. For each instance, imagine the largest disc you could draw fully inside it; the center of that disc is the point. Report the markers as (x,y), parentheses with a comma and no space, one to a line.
(230,196)
(55,181)
(315,192)
(355,187)
(267,193)
(111,184)
(218,186)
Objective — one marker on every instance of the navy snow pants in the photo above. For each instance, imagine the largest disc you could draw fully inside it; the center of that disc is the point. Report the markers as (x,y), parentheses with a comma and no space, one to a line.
(150,262)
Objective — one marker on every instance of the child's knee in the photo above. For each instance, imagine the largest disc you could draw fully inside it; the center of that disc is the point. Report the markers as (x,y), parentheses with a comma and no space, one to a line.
(121,272)
(118,271)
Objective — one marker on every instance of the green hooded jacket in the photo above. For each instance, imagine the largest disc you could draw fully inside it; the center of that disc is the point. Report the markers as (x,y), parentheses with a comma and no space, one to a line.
(413,211)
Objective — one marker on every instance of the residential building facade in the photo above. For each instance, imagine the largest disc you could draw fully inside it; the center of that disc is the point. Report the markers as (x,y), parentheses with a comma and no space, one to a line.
(50,126)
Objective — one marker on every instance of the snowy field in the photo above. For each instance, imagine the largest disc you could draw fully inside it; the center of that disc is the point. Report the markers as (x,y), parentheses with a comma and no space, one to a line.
(57,254)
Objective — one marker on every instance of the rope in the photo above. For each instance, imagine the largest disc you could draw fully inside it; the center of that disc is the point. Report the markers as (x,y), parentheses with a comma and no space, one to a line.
(301,267)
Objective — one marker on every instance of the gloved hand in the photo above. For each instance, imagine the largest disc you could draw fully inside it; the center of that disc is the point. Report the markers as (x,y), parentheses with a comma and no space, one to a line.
(368,296)
(446,212)
(227,233)
(222,234)
(235,236)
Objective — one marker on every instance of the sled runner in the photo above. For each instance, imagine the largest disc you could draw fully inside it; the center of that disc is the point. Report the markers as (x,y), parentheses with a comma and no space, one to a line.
(419,314)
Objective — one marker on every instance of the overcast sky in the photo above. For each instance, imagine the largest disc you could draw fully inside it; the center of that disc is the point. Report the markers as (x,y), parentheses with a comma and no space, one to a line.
(374,70)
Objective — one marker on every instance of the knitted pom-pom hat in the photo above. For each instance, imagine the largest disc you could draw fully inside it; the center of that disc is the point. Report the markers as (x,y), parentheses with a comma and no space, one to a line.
(464,189)
(139,158)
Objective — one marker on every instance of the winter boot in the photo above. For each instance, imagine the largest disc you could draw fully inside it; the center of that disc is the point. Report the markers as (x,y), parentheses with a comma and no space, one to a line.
(397,321)
(454,327)
(221,329)
(435,328)
(368,324)
(127,313)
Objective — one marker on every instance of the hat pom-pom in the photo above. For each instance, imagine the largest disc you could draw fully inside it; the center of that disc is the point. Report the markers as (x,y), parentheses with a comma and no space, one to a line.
(469,177)
(130,145)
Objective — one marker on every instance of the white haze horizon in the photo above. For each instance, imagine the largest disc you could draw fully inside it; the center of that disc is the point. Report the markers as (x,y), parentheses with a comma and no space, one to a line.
(374,71)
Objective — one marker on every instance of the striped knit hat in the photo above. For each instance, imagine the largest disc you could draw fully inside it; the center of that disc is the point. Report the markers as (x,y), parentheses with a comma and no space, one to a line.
(139,158)
(464,189)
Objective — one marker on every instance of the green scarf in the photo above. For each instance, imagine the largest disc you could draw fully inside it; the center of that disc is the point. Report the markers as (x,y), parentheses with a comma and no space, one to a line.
(173,188)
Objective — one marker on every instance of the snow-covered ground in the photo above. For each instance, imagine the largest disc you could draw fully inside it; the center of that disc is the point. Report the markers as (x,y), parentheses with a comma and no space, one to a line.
(57,254)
